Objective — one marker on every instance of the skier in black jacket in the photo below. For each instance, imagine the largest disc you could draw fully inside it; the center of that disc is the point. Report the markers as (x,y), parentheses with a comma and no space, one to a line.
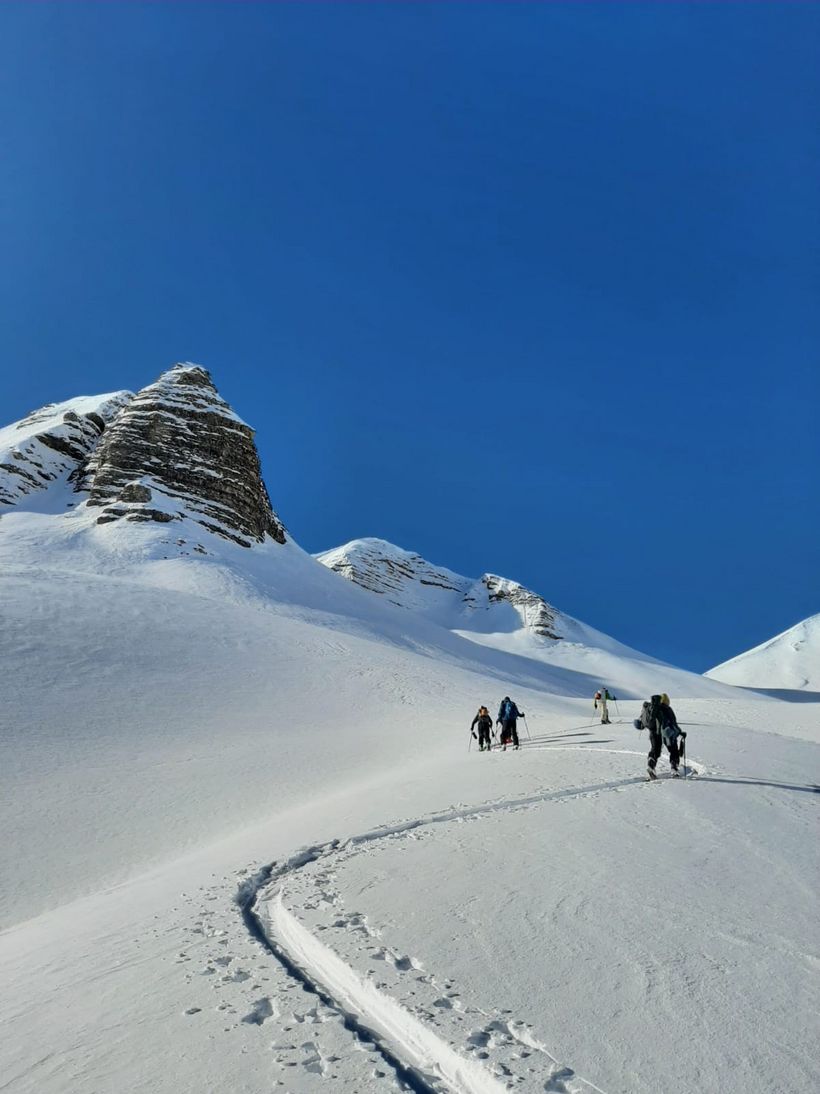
(508,714)
(485,725)
(659,718)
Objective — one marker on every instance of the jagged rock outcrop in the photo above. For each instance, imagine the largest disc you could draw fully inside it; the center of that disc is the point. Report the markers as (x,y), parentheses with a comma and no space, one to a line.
(53,443)
(536,614)
(178,451)
(409,581)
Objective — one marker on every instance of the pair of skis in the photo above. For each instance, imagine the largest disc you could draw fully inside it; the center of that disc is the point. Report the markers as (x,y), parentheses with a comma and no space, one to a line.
(653,777)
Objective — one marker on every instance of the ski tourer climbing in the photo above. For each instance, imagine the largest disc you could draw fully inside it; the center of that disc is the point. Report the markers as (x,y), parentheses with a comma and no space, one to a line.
(659,719)
(508,715)
(485,726)
(602,698)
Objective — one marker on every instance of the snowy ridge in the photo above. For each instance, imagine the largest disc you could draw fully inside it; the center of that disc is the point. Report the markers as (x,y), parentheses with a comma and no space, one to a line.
(789,661)
(499,614)
(409,581)
(53,444)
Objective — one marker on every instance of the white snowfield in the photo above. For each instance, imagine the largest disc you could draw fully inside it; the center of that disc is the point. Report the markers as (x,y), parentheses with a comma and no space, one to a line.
(789,661)
(246,846)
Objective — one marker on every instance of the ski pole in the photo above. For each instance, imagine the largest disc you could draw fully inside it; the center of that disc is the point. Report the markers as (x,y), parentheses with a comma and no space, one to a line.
(617,710)
(529,735)
(470,745)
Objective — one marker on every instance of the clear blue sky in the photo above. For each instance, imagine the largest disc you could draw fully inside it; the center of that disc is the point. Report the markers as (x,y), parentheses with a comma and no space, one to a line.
(528,288)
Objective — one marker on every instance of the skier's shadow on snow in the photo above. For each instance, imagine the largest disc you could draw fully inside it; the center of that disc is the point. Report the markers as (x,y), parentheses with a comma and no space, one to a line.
(812,789)
(545,742)
(560,736)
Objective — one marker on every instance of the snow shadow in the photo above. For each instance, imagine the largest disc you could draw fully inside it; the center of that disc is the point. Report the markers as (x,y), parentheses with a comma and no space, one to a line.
(788,695)
(812,788)
(544,737)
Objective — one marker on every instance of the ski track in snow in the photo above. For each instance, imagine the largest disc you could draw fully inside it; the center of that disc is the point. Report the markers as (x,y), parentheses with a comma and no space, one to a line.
(428,1037)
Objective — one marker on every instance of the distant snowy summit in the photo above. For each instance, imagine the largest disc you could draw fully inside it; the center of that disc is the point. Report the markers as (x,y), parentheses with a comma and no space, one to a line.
(789,661)
(174,451)
(487,604)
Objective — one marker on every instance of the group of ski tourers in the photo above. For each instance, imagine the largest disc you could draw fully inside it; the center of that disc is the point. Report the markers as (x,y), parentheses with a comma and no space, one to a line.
(657,717)
(508,715)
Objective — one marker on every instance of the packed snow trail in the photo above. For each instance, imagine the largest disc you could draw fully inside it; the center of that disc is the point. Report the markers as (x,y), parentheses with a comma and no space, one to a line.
(392,1024)
(407,1043)
(425,1030)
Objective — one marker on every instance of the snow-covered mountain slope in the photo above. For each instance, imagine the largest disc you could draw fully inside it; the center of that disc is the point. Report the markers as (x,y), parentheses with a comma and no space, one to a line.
(789,661)
(158,569)
(500,614)
(230,775)
(52,444)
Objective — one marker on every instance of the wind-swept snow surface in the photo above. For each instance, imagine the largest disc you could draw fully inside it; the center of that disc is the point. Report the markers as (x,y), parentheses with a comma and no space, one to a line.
(789,661)
(542,920)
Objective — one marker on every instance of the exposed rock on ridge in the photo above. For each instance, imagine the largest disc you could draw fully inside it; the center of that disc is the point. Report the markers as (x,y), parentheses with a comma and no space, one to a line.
(537,615)
(409,581)
(177,451)
(53,441)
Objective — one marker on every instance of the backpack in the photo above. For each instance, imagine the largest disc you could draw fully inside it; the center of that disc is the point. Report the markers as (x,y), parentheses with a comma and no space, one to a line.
(507,714)
(654,712)
(669,727)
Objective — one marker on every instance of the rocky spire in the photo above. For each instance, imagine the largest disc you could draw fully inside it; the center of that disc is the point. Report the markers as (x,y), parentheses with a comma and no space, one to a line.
(178,451)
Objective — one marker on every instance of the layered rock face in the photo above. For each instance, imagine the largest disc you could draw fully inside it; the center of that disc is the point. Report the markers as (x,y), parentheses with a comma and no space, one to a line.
(536,614)
(409,581)
(177,451)
(52,442)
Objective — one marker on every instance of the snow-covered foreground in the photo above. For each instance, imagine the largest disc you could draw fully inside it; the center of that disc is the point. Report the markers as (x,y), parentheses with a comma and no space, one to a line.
(542,919)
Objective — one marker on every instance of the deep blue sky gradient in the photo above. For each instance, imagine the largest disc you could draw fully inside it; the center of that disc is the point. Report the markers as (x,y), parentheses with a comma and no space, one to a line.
(527,288)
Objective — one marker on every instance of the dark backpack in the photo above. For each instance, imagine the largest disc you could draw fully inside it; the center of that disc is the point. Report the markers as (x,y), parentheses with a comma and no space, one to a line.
(654,711)
(669,724)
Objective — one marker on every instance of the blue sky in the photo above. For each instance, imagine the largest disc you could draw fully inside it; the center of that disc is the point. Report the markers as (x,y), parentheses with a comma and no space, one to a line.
(531,289)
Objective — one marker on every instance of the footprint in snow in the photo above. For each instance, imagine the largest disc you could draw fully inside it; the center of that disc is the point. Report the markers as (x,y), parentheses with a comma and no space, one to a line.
(259,1014)
(557,1082)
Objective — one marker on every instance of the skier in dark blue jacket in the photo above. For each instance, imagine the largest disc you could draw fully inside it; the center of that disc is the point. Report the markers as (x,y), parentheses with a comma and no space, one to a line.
(508,715)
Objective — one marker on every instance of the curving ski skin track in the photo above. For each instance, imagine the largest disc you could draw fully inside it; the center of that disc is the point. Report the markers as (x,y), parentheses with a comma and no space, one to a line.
(420,1058)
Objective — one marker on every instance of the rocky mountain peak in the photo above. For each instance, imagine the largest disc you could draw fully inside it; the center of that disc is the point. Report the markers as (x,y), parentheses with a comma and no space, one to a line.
(178,451)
